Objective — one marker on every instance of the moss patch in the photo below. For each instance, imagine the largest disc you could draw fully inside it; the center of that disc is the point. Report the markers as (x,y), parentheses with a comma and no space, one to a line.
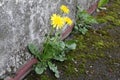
(111,15)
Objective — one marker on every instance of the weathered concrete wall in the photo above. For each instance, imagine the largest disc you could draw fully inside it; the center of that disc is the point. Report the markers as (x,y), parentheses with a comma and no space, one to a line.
(25,21)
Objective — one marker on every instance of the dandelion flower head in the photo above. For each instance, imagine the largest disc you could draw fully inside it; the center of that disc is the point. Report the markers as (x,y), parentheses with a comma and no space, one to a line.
(57,21)
(65,9)
(68,20)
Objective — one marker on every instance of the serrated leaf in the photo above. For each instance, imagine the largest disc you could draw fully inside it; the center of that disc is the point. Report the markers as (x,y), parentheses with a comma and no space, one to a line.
(61,57)
(54,69)
(34,50)
(62,45)
(71,44)
(40,67)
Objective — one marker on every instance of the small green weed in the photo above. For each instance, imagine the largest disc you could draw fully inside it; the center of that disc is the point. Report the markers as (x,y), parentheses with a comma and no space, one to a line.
(83,22)
(53,48)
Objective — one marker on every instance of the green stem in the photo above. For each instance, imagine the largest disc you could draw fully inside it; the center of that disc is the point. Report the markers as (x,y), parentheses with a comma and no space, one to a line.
(47,40)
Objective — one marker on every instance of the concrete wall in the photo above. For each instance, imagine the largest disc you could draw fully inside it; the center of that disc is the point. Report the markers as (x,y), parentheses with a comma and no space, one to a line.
(25,21)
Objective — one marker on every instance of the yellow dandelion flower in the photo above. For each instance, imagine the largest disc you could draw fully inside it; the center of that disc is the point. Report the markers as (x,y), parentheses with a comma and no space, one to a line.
(65,9)
(57,21)
(68,20)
